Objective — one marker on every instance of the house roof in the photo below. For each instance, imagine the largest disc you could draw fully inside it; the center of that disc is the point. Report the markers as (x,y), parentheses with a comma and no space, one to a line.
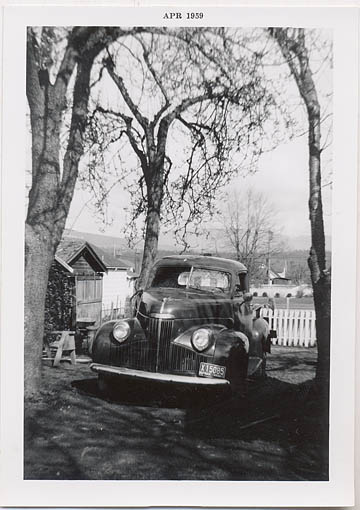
(110,261)
(64,264)
(70,249)
(265,274)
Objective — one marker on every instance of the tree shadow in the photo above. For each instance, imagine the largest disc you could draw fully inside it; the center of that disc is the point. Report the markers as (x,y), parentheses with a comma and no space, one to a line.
(290,415)
(276,411)
(161,432)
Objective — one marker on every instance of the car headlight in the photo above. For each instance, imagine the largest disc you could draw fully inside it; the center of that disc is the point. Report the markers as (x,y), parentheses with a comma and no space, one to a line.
(201,339)
(121,331)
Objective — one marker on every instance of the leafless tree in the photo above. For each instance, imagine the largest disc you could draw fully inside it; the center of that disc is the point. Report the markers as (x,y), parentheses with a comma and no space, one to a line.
(250,228)
(292,43)
(299,272)
(59,64)
(192,107)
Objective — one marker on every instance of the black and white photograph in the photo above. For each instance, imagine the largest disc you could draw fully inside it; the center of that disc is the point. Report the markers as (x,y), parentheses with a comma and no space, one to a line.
(182,212)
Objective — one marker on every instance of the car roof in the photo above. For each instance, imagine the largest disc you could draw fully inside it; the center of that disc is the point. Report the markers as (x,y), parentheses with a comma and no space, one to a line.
(202,260)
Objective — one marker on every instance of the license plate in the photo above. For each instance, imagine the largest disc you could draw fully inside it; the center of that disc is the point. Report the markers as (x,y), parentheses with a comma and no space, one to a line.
(211,370)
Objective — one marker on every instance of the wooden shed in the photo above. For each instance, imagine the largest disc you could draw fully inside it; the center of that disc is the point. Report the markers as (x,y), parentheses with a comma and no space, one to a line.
(88,270)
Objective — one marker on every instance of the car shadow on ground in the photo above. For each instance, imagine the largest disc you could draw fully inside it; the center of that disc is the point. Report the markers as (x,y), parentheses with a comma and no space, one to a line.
(209,413)
(151,394)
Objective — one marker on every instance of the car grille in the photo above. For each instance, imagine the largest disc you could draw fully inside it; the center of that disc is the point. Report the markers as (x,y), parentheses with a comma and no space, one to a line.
(184,361)
(157,353)
(160,333)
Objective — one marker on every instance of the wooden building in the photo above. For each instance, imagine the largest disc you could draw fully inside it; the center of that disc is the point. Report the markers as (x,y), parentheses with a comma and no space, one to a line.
(88,270)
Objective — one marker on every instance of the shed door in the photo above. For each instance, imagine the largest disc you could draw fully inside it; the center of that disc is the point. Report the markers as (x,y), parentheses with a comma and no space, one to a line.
(88,297)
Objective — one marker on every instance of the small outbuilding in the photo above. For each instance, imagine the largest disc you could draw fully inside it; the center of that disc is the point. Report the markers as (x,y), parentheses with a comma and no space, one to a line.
(87,270)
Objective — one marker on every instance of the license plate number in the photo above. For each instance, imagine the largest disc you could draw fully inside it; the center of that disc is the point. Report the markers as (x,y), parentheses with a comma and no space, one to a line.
(211,370)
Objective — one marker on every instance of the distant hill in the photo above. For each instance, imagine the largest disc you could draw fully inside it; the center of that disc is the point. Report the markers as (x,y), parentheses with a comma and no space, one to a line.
(101,240)
(293,260)
(303,242)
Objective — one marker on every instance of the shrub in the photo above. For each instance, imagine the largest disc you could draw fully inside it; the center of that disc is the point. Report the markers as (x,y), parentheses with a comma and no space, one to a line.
(59,301)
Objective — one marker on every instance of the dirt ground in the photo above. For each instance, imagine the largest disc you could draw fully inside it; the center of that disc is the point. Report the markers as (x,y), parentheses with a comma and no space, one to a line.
(161,433)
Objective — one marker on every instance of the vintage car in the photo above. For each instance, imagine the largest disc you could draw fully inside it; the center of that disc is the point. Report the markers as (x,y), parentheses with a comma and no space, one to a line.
(192,325)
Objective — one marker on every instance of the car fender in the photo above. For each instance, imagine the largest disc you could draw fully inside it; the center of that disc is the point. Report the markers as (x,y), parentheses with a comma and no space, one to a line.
(259,335)
(104,339)
(232,351)
(184,339)
(227,341)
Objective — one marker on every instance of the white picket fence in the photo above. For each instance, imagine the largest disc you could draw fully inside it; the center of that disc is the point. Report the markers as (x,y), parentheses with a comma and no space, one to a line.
(293,327)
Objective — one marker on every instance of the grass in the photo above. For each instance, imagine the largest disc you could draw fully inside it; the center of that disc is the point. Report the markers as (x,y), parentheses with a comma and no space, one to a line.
(162,433)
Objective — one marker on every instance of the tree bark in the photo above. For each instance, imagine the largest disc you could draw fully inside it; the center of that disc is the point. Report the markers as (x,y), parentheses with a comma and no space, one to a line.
(153,218)
(37,264)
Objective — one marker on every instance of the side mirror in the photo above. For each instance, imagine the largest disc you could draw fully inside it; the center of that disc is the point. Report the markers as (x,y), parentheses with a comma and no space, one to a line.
(137,293)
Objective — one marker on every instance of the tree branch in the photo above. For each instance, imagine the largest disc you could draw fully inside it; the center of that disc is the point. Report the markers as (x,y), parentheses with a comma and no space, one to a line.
(119,82)
(156,79)
(129,132)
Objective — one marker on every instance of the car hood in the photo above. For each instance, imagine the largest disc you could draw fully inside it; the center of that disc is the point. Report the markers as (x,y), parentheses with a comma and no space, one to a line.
(186,303)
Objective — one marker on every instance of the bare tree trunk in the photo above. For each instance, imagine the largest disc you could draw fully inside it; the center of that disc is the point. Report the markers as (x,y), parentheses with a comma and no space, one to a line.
(51,194)
(153,218)
(37,264)
(322,300)
(49,197)
(320,278)
(294,50)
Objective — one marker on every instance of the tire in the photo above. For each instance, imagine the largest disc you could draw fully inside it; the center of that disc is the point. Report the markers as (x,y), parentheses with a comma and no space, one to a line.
(260,373)
(237,368)
(263,366)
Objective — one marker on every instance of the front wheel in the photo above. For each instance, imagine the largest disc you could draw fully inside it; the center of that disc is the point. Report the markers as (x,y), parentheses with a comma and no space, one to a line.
(263,366)
(260,372)
(237,370)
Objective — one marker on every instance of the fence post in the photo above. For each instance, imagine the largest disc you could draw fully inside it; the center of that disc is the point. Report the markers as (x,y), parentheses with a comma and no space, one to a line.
(313,328)
(296,328)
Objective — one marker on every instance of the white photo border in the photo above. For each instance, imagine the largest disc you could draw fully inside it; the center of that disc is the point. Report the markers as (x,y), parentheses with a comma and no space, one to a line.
(338,491)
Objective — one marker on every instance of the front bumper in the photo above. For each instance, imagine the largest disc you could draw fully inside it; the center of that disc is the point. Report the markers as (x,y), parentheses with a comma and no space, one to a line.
(160,377)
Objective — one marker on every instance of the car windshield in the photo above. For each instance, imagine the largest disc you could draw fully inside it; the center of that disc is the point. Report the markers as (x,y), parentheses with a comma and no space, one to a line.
(195,278)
